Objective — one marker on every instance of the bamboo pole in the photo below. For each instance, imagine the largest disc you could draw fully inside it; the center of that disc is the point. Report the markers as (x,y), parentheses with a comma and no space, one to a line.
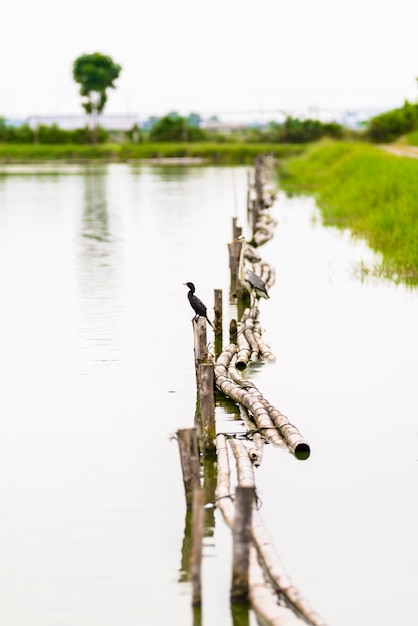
(299,446)
(249,335)
(274,426)
(254,405)
(245,471)
(189,456)
(244,348)
(256,450)
(197,538)
(223,488)
(263,348)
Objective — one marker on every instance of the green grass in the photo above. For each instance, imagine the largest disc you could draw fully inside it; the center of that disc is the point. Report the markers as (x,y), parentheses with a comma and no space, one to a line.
(412,138)
(371,192)
(222,153)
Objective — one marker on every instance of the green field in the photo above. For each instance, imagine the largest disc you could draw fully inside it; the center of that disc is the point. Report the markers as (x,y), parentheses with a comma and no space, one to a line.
(219,153)
(371,192)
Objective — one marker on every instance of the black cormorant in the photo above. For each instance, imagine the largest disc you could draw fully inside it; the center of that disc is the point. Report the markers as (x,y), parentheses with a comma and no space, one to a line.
(196,304)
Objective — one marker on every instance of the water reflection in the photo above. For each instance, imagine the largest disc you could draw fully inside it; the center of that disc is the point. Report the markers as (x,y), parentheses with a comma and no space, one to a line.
(99,266)
(172,173)
(95,217)
(91,499)
(240,614)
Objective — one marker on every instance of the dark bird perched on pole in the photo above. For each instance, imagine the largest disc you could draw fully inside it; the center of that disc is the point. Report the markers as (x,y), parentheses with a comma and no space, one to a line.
(196,304)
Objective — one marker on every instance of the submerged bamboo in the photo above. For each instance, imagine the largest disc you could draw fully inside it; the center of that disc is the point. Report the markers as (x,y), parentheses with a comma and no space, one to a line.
(263,599)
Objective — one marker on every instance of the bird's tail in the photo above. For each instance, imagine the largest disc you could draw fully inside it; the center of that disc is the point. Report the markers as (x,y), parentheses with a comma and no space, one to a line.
(209,322)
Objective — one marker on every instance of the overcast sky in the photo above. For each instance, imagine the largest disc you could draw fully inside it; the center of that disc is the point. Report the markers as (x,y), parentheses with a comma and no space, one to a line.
(211,56)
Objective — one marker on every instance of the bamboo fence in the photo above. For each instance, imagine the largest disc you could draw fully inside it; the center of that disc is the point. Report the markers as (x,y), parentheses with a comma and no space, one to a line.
(261,576)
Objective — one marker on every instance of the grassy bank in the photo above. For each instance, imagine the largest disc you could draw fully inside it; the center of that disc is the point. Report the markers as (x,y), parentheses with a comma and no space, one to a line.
(372,193)
(222,153)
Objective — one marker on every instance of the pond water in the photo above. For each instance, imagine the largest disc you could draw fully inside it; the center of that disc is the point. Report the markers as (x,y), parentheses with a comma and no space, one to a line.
(97,372)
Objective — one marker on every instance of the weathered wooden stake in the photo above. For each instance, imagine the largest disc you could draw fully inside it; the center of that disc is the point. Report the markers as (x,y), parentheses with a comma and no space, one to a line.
(248,195)
(189,455)
(236,230)
(241,533)
(218,313)
(197,537)
(207,406)
(234,251)
(200,341)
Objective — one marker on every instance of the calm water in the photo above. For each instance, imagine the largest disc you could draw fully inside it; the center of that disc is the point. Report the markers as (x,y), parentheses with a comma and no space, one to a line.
(97,373)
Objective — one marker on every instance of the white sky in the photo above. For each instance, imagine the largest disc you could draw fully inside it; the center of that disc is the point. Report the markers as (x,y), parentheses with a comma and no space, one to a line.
(211,56)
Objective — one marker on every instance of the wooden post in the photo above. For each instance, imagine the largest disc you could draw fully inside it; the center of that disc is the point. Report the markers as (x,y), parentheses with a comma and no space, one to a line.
(236,230)
(190,464)
(241,533)
(207,406)
(234,250)
(233,330)
(197,537)
(218,322)
(248,195)
(200,341)
(218,313)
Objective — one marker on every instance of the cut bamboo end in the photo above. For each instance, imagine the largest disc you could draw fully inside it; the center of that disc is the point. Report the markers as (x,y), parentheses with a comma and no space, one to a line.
(302,451)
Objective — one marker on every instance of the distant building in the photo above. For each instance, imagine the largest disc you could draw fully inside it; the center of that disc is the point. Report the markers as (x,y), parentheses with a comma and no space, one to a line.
(222,127)
(122,122)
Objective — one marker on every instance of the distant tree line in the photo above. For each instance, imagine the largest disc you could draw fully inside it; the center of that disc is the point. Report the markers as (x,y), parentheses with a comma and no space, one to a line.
(96,73)
(45,134)
(174,128)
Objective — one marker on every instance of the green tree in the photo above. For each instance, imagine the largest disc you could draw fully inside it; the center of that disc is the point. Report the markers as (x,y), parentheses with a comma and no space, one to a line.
(95,73)
(392,124)
(170,128)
